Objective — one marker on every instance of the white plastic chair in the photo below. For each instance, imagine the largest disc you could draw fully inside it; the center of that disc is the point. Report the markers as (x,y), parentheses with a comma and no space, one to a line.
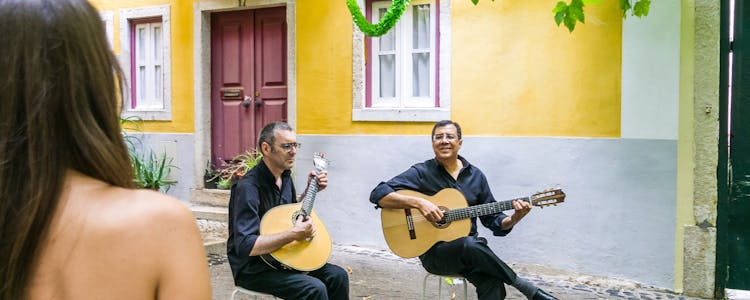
(457,279)
(241,290)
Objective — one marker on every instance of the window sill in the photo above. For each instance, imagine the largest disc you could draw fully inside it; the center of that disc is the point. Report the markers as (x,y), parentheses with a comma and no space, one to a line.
(401,114)
(148,115)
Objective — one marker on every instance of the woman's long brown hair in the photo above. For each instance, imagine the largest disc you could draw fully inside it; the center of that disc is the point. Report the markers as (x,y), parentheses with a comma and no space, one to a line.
(58,112)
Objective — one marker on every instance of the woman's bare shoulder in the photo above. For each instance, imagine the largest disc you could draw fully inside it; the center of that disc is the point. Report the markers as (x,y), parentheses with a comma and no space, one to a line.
(148,204)
(151,213)
(168,231)
(108,238)
(120,214)
(124,219)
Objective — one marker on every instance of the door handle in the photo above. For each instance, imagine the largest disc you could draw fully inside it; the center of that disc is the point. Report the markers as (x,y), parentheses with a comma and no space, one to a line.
(246,102)
(258,102)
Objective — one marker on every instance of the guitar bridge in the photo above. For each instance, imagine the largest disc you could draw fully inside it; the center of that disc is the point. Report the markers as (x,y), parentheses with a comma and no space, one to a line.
(410,224)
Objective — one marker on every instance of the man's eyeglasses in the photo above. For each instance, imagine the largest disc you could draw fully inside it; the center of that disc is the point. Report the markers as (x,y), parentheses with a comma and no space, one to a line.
(289,146)
(440,136)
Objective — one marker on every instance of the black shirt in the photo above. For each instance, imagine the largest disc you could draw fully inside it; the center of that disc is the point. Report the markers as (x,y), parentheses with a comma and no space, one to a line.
(430,177)
(251,197)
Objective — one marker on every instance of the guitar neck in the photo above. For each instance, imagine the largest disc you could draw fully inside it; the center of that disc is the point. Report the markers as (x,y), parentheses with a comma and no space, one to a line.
(309,199)
(481,210)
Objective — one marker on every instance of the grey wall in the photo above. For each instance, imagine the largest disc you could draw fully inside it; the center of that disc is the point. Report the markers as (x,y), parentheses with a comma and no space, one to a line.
(181,148)
(618,219)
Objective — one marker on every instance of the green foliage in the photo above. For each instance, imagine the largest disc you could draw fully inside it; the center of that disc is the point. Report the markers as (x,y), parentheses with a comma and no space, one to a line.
(571,13)
(236,168)
(568,14)
(640,9)
(224,184)
(151,171)
(389,19)
(130,124)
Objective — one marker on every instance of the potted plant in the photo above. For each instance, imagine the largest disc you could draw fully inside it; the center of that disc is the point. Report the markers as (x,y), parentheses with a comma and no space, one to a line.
(237,167)
(151,171)
(210,178)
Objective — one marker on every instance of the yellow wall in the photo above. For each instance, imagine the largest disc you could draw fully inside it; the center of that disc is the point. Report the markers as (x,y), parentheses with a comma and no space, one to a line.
(181,24)
(514,72)
(533,79)
(685,140)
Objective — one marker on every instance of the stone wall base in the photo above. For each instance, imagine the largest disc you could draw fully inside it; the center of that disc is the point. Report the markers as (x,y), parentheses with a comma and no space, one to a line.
(700,261)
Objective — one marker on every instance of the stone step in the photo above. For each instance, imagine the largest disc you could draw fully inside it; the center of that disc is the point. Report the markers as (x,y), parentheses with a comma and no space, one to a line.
(209,197)
(214,234)
(216,247)
(213,213)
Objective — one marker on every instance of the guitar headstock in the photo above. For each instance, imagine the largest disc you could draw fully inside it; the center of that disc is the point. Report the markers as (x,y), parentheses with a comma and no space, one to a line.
(548,197)
(319,162)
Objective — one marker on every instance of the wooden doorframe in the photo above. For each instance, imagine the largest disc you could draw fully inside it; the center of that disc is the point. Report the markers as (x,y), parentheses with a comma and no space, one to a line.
(729,242)
(202,71)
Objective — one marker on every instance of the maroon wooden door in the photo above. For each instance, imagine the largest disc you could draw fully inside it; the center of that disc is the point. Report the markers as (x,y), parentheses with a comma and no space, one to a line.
(248,77)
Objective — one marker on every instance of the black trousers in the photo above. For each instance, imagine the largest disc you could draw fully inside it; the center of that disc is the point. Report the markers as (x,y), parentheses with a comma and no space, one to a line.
(328,282)
(471,258)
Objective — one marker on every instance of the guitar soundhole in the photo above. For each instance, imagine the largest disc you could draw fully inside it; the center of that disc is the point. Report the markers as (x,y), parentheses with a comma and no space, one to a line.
(442,223)
(296,215)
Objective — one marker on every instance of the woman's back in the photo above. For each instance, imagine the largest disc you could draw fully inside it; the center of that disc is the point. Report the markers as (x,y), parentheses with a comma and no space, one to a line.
(108,242)
(64,235)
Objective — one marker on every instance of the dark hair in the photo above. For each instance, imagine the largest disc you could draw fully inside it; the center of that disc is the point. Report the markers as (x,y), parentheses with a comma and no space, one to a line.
(446,123)
(59,85)
(268,131)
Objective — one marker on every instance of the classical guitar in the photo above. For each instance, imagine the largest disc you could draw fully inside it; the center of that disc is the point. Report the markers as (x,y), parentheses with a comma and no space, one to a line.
(409,234)
(306,255)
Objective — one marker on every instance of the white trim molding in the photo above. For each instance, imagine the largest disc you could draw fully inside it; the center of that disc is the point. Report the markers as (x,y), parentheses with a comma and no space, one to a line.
(108,17)
(362,113)
(164,114)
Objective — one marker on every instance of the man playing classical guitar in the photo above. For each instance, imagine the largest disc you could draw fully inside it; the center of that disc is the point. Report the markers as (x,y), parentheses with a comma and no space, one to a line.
(267,185)
(467,256)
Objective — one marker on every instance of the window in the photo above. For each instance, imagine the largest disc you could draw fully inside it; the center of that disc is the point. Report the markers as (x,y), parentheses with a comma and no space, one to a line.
(402,69)
(145,60)
(403,60)
(146,65)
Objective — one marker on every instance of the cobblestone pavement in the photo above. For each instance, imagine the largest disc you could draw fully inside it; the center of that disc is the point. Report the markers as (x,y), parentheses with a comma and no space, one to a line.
(378,274)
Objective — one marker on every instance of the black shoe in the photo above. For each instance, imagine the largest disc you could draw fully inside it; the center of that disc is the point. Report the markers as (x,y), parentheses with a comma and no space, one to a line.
(542,295)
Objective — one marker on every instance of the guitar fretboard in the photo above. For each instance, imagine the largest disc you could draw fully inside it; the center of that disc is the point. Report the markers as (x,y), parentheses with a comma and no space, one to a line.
(481,210)
(309,199)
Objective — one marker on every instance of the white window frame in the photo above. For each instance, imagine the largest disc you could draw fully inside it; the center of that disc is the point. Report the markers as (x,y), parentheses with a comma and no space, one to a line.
(403,51)
(108,17)
(403,109)
(147,112)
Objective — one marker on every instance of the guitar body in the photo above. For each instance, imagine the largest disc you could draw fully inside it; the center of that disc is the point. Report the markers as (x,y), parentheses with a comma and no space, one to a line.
(299,255)
(411,242)
(409,234)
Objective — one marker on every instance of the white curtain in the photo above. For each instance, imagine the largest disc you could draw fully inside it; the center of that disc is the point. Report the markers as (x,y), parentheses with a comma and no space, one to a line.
(387,46)
(421,51)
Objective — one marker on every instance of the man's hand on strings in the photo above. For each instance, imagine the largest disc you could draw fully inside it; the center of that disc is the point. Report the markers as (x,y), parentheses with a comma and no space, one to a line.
(521,209)
(303,228)
(321,178)
(430,211)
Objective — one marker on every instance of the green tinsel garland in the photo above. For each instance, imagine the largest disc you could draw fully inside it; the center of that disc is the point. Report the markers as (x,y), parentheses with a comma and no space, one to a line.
(386,23)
